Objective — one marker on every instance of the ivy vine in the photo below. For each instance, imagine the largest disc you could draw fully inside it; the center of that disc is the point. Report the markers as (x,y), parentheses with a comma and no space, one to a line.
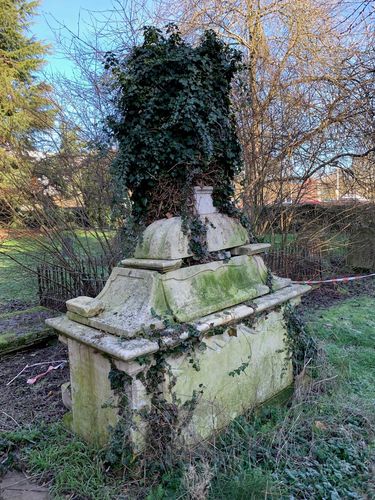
(175,129)
(301,347)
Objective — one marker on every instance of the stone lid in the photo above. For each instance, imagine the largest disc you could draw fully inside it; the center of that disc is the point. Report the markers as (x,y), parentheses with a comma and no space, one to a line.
(164,239)
(136,300)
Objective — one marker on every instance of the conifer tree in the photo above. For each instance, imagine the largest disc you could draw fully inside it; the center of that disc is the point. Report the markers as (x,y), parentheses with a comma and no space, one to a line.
(25,106)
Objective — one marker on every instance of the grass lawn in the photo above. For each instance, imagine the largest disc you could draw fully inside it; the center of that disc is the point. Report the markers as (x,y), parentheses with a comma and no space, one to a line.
(20,256)
(334,243)
(319,446)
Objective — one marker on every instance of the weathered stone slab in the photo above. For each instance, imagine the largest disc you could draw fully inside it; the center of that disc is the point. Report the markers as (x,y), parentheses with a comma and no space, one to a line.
(164,239)
(125,350)
(131,299)
(195,291)
(238,369)
(281,296)
(250,249)
(224,317)
(292,293)
(154,264)
(238,313)
(85,306)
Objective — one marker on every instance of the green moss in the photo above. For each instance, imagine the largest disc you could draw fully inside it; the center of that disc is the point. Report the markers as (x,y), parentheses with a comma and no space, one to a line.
(238,235)
(10,341)
(210,286)
(31,310)
(78,318)
(67,420)
(95,404)
(280,399)
(201,290)
(236,372)
(159,300)
(5,338)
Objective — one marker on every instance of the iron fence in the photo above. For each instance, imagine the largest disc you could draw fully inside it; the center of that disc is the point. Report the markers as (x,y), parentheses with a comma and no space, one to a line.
(57,283)
(297,262)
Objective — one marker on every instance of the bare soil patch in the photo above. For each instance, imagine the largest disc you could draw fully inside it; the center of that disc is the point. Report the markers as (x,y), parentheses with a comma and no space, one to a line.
(22,404)
(330,294)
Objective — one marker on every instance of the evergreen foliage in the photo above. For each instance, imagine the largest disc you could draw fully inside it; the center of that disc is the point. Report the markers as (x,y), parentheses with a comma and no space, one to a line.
(25,107)
(174,124)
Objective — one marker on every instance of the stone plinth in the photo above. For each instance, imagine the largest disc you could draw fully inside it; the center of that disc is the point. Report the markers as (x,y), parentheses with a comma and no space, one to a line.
(203,200)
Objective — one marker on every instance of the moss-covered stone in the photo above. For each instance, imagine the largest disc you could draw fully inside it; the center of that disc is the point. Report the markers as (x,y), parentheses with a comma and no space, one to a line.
(239,369)
(19,329)
(94,403)
(164,239)
(200,290)
(132,299)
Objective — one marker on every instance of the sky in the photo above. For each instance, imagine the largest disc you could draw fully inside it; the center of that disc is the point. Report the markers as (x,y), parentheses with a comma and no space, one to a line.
(67,12)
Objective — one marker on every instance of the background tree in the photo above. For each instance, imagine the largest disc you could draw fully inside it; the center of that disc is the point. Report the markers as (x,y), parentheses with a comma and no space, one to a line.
(302,100)
(25,103)
(51,178)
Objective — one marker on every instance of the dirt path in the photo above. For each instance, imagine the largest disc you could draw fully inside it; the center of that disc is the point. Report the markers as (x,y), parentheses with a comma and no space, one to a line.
(16,486)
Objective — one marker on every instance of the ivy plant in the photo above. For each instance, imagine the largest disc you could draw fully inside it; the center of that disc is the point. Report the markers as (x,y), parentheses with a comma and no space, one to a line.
(174,127)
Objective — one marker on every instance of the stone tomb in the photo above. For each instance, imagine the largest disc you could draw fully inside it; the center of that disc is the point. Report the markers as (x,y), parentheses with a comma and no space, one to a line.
(203,342)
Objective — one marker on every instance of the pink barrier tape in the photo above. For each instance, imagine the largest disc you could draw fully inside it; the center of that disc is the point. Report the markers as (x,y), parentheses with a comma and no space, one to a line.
(335,280)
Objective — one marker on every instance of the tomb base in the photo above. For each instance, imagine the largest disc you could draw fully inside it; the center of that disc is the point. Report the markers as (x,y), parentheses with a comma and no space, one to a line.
(188,381)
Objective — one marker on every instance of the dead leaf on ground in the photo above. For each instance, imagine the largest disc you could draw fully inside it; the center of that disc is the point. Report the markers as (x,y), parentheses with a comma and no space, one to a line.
(320,425)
